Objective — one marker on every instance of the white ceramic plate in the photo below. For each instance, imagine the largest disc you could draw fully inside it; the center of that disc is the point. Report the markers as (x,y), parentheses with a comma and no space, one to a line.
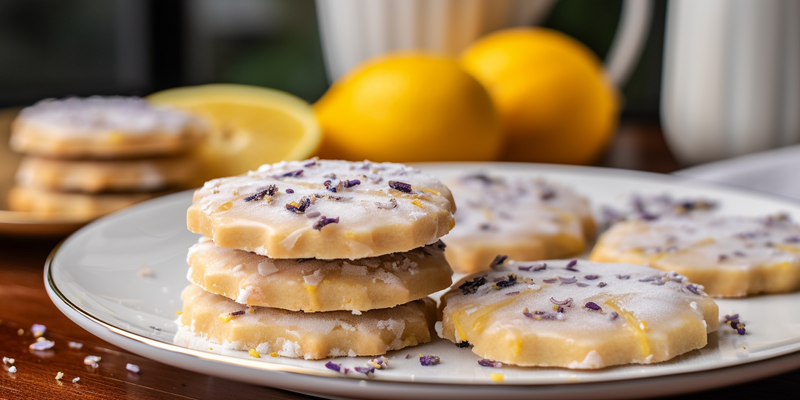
(93,279)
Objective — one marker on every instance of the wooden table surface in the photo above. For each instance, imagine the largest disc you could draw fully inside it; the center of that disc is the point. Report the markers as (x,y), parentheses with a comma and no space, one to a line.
(23,302)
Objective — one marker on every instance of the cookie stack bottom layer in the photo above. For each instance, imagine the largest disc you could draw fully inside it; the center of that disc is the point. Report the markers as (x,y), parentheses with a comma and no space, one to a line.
(306,335)
(309,308)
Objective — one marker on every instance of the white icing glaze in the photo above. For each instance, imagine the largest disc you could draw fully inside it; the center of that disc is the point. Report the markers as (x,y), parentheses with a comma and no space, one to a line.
(705,241)
(505,208)
(286,222)
(96,115)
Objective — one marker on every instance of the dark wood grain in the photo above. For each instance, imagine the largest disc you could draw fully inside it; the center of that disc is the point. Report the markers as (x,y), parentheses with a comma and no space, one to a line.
(23,302)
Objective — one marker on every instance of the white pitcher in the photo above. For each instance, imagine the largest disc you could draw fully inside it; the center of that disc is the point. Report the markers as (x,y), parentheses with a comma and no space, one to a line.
(354,30)
(731,82)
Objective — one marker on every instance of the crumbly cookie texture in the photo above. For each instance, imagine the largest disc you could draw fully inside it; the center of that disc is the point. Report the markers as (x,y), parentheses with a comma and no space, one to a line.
(525,218)
(312,285)
(577,314)
(75,206)
(103,127)
(301,335)
(92,176)
(324,209)
(730,256)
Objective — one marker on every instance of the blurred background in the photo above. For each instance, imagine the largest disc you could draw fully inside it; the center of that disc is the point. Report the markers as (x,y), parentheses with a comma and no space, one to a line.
(52,48)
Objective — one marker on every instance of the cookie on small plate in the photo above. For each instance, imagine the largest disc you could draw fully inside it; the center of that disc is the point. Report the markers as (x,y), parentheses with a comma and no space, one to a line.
(103,127)
(577,314)
(301,335)
(525,218)
(312,285)
(730,256)
(324,209)
(92,176)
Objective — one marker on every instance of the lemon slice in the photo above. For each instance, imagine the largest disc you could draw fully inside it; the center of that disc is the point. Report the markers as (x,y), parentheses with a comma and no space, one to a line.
(249,126)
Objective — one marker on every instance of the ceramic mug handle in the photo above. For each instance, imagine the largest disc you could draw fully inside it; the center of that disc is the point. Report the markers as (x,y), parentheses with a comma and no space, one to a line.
(629,40)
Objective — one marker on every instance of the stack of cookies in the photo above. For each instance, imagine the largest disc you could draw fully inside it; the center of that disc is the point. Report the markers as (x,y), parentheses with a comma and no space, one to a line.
(86,157)
(314,259)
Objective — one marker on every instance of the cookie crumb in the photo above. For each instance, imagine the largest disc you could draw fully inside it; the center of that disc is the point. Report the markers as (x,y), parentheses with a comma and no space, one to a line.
(59,375)
(132,368)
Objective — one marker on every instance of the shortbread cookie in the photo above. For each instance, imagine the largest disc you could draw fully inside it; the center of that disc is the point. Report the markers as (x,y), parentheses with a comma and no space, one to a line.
(730,256)
(92,176)
(636,206)
(301,335)
(103,127)
(523,217)
(312,285)
(578,314)
(77,206)
(324,209)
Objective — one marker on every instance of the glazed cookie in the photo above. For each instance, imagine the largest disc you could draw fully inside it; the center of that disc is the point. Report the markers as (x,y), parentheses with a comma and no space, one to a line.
(319,285)
(77,206)
(324,209)
(578,314)
(300,335)
(523,217)
(730,256)
(92,176)
(103,127)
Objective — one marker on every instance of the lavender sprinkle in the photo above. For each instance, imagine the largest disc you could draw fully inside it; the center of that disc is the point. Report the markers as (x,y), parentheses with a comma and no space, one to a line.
(401,186)
(298,172)
(571,265)
(591,277)
(323,222)
(489,363)
(333,367)
(498,261)
(429,360)
(592,305)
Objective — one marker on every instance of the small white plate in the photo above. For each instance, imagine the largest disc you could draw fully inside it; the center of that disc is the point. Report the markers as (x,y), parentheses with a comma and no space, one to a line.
(92,277)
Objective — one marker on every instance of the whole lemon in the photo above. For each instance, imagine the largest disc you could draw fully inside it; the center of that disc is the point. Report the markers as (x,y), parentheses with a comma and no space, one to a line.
(555,102)
(409,107)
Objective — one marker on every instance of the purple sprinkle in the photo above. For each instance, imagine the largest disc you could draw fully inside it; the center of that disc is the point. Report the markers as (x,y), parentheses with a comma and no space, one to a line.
(613,315)
(547,193)
(602,284)
(739,254)
(526,268)
(324,221)
(311,164)
(550,280)
(591,277)
(722,257)
(290,191)
(409,356)
(511,281)
(365,370)
(733,317)
(581,284)
(299,208)
(650,278)
(429,360)
(527,313)
(470,287)
(460,345)
(298,172)
(401,186)
(567,281)
(43,345)
(333,367)
(549,315)
(512,293)
(38,330)
(498,261)
(792,239)
(592,305)
(693,288)
(489,363)
(740,331)
(132,368)
(571,265)
(623,277)
(566,302)
(237,313)
(351,183)
(268,191)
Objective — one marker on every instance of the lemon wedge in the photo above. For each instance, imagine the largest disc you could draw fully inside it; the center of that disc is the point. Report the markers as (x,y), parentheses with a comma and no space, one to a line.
(249,126)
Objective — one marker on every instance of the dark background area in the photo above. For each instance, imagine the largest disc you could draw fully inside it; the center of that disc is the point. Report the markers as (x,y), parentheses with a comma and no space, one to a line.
(56,48)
